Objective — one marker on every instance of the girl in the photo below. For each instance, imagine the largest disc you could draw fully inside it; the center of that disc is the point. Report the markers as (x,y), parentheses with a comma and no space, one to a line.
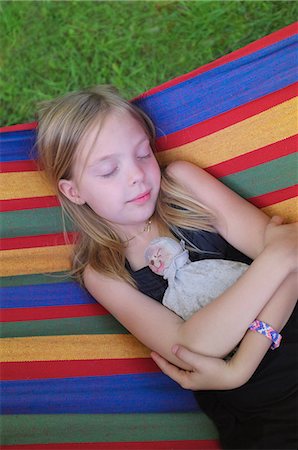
(96,150)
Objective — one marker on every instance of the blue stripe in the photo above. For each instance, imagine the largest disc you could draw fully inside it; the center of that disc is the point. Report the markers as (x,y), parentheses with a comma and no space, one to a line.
(200,98)
(58,294)
(17,145)
(137,393)
(223,88)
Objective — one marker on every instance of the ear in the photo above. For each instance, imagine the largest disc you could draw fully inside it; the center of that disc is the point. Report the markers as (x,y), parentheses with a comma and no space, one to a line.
(69,189)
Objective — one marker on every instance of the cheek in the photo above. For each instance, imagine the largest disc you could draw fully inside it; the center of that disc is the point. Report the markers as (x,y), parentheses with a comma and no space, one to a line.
(155,173)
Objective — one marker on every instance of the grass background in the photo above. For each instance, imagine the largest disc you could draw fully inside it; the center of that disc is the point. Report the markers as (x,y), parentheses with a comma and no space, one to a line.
(51,47)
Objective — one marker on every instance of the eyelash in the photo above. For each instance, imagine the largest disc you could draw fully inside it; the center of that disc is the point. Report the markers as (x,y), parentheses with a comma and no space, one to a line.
(138,157)
(145,156)
(109,174)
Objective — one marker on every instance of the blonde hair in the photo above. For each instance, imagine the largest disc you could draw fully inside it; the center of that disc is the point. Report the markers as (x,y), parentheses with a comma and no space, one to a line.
(63,123)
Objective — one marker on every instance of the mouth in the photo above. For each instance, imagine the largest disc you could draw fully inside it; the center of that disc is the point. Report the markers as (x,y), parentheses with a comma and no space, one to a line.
(161,267)
(141,198)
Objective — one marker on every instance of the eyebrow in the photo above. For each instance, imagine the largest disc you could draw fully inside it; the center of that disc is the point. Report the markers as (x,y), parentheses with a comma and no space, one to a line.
(107,157)
(100,160)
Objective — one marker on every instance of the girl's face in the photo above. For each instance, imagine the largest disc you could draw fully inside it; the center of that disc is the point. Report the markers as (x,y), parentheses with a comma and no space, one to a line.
(116,173)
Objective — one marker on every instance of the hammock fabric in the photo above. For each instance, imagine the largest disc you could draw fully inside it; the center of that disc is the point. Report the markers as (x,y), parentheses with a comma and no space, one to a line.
(72,376)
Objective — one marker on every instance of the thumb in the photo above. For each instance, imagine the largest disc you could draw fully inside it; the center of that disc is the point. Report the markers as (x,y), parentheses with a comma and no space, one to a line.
(186,355)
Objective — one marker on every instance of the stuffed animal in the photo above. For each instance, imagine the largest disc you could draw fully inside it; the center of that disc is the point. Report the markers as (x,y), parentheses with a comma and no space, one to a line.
(191,285)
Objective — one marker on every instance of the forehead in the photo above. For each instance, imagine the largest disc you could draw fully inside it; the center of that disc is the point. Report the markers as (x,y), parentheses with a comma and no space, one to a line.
(110,133)
(105,134)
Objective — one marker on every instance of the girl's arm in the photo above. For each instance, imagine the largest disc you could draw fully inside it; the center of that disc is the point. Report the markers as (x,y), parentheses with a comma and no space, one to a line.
(206,332)
(249,230)
(218,327)
(236,220)
(214,373)
(159,328)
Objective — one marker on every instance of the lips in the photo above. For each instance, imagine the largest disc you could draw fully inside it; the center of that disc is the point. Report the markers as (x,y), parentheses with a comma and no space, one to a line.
(141,198)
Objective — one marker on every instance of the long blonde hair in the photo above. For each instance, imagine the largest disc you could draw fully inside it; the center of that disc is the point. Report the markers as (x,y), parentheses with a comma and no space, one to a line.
(63,123)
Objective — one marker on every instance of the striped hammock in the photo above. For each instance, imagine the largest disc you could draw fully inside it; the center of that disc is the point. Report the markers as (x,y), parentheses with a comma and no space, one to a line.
(72,376)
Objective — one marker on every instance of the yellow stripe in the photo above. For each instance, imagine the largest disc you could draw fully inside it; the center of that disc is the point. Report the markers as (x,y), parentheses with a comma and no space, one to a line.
(287,209)
(262,129)
(24,185)
(258,131)
(27,261)
(58,348)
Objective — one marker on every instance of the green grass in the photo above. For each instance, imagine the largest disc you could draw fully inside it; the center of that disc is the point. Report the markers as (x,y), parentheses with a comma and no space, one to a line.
(51,47)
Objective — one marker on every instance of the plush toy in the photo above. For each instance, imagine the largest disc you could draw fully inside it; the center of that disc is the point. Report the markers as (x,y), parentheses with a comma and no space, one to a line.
(191,285)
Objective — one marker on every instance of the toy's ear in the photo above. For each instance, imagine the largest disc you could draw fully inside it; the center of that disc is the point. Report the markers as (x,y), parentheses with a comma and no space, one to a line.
(69,189)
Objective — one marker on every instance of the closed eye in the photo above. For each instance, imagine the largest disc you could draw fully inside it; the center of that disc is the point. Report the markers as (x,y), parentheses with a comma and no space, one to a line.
(144,156)
(109,174)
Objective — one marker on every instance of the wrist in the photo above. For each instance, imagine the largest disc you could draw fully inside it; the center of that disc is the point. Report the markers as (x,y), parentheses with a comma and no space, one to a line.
(238,373)
(266,330)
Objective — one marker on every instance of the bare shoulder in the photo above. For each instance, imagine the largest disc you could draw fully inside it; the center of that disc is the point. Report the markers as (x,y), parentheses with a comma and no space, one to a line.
(191,177)
(102,286)
(181,169)
(116,295)
(237,220)
(203,186)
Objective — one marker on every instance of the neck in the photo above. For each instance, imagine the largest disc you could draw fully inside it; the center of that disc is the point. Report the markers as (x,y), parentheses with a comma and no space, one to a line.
(146,229)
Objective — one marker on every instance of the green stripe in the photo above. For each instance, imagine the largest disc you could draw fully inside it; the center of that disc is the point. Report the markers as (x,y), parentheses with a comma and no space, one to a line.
(25,280)
(268,177)
(33,222)
(63,327)
(63,428)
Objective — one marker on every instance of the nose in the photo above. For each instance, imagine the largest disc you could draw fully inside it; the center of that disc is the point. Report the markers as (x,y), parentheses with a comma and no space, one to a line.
(136,173)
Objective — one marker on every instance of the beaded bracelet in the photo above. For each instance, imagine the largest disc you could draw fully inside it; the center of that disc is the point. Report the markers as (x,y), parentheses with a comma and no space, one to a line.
(265,329)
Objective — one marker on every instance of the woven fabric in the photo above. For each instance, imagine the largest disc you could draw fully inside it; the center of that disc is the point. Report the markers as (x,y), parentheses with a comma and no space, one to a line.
(72,377)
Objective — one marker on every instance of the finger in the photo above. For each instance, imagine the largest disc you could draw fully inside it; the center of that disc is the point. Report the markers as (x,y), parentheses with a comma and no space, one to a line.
(276,220)
(186,356)
(178,375)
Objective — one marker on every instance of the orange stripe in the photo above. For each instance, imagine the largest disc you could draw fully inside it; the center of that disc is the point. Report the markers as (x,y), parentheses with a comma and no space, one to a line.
(75,347)
(251,134)
(24,184)
(260,156)
(287,209)
(35,260)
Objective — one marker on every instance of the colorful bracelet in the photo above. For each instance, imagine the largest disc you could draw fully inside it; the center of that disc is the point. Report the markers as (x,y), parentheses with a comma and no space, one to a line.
(265,329)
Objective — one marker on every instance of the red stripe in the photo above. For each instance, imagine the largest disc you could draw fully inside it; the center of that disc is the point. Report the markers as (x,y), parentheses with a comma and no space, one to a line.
(233,165)
(226,119)
(203,444)
(254,158)
(17,204)
(19,127)
(274,197)
(237,54)
(51,312)
(43,240)
(29,370)
(18,166)
(265,41)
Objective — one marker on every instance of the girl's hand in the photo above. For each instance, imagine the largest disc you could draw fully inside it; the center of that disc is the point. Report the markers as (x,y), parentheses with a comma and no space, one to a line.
(207,372)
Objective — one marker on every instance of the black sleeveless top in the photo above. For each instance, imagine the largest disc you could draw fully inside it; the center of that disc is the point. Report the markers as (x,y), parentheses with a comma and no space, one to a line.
(261,414)
(211,246)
